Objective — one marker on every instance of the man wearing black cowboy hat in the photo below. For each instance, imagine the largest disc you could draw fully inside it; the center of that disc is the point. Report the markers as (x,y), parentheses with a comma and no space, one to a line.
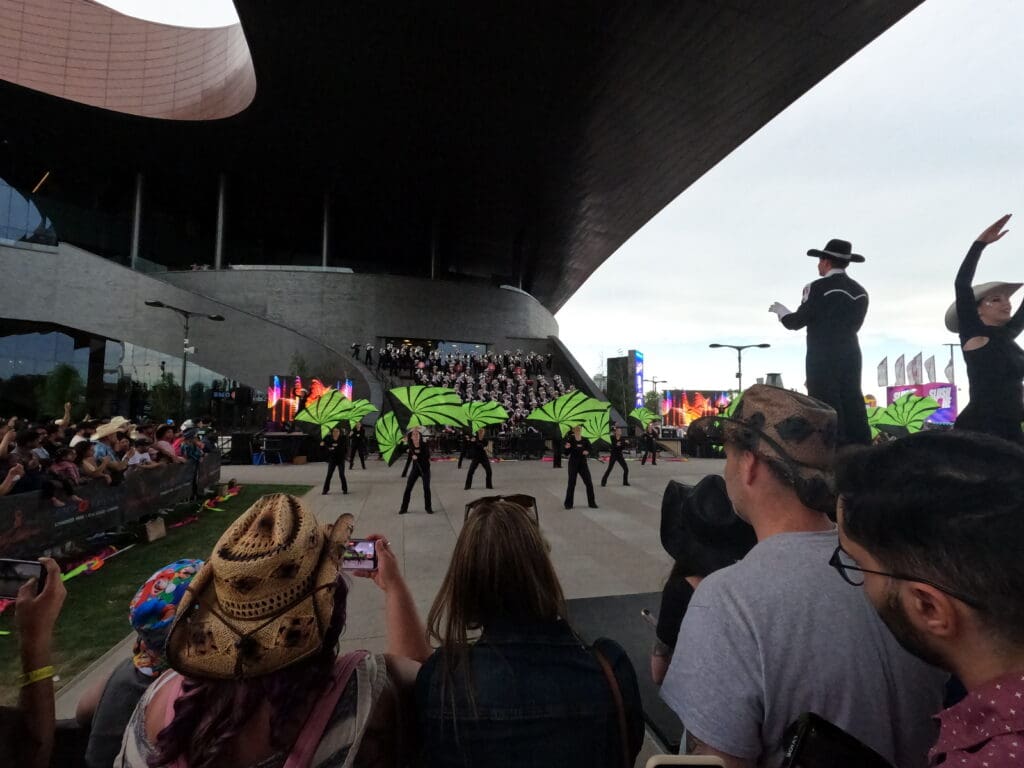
(833,310)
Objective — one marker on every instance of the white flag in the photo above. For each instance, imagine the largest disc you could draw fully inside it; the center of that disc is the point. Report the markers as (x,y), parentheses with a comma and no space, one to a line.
(899,372)
(929,366)
(914,370)
(949,369)
(883,372)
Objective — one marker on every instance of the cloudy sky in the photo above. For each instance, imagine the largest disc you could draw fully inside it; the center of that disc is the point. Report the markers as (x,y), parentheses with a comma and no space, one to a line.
(909,151)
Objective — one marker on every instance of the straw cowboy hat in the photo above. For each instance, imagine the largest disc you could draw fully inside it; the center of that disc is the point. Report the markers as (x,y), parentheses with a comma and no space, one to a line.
(112,427)
(980,292)
(264,598)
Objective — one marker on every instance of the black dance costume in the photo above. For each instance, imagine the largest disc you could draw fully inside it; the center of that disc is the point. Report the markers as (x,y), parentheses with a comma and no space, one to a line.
(478,457)
(578,452)
(995,370)
(337,452)
(651,447)
(615,457)
(420,458)
(358,446)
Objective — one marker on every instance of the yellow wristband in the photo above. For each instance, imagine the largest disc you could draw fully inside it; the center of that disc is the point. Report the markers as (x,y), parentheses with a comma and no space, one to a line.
(43,673)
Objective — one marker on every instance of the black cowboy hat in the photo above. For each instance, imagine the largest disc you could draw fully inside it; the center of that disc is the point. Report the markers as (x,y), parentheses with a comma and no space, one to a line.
(841,250)
(700,529)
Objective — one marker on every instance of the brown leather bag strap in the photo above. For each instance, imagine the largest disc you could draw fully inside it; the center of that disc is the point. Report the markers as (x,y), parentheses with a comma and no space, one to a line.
(620,707)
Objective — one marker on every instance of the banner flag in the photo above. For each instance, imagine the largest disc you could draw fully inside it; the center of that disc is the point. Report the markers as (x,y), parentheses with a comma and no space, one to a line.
(883,372)
(914,373)
(900,372)
(949,369)
(929,367)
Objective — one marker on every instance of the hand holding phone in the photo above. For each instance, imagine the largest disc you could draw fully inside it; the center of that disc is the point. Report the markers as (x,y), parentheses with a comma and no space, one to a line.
(359,555)
(16,573)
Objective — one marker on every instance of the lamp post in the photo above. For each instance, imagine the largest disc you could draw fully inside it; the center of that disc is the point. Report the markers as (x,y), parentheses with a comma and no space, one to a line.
(655,381)
(186,316)
(739,357)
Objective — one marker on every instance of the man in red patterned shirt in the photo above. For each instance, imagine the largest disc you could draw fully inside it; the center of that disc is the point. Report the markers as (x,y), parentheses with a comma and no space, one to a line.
(932,525)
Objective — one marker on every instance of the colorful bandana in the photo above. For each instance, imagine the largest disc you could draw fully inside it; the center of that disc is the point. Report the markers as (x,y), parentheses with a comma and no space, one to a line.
(151,613)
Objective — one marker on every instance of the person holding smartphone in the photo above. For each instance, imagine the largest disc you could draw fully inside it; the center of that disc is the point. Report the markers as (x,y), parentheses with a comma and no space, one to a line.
(36,611)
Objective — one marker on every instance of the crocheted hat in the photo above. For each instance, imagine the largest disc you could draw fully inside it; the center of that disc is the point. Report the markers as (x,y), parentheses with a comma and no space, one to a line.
(264,598)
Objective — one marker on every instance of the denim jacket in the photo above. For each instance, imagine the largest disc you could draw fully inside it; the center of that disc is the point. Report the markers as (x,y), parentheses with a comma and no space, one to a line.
(541,700)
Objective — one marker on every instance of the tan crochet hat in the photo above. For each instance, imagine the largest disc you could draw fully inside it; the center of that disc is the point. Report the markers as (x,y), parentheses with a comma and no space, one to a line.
(264,598)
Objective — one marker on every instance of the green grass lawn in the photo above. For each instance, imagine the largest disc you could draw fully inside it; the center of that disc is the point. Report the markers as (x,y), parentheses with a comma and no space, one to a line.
(95,614)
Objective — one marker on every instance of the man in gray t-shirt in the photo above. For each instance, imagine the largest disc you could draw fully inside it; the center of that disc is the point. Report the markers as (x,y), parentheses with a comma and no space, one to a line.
(779,633)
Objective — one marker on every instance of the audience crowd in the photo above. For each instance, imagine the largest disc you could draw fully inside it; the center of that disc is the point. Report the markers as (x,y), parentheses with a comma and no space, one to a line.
(58,457)
(852,587)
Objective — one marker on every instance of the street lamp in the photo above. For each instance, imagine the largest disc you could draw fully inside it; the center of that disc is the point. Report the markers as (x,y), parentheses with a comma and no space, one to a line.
(186,349)
(655,381)
(739,357)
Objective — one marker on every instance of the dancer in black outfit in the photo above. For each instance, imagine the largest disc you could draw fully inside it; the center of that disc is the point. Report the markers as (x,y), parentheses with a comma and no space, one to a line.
(420,457)
(336,444)
(995,363)
(651,447)
(577,448)
(833,310)
(478,457)
(556,451)
(616,457)
(358,441)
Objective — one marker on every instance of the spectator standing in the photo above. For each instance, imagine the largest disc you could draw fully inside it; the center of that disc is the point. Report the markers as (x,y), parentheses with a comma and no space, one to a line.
(256,679)
(930,525)
(778,634)
(528,692)
(105,709)
(703,534)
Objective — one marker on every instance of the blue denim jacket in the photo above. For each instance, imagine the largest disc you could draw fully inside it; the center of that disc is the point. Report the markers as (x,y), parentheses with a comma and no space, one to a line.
(541,700)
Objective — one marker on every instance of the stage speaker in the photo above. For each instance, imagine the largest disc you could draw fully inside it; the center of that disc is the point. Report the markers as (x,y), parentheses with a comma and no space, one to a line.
(241,447)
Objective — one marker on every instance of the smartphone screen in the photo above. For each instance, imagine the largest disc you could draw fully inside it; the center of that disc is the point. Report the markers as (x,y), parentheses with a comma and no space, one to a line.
(359,555)
(14,573)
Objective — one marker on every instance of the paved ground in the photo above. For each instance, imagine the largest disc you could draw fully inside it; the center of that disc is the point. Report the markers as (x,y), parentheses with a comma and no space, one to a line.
(612,550)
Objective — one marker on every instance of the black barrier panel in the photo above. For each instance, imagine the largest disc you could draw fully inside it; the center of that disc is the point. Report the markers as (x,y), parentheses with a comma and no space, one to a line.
(30,524)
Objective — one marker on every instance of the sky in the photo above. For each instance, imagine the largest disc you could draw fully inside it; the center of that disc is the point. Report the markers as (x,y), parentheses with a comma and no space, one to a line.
(909,150)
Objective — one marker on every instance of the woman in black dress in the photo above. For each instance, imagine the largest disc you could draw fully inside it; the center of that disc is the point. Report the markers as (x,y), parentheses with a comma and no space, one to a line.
(982,317)
(419,456)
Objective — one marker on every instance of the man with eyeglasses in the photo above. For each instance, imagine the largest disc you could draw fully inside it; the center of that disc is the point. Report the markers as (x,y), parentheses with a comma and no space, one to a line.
(931,526)
(778,634)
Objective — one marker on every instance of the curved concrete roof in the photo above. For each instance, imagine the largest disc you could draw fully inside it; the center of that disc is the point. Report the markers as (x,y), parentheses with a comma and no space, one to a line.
(517,142)
(86,52)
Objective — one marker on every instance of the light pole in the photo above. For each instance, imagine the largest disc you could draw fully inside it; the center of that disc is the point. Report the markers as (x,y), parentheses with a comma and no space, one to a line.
(655,381)
(186,316)
(739,357)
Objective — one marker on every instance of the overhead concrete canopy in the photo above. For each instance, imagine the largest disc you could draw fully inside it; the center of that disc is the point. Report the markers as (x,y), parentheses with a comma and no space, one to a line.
(519,142)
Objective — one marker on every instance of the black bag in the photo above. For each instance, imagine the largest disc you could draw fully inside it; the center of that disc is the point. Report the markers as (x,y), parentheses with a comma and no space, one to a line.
(813,742)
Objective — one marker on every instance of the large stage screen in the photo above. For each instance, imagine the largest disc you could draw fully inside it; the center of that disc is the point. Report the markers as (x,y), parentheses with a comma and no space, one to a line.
(285,392)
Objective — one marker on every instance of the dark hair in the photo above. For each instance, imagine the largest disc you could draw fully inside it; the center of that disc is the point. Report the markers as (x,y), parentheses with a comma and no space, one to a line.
(81,450)
(67,454)
(945,506)
(163,430)
(25,438)
(210,713)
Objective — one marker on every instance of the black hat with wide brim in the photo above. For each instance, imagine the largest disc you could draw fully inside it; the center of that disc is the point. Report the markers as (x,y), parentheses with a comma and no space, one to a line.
(700,529)
(840,250)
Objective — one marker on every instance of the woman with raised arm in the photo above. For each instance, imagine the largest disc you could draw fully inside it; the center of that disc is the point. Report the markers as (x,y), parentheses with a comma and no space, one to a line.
(982,316)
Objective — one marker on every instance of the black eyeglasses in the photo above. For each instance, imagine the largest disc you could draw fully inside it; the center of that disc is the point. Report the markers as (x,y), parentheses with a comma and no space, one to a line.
(528,503)
(846,568)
